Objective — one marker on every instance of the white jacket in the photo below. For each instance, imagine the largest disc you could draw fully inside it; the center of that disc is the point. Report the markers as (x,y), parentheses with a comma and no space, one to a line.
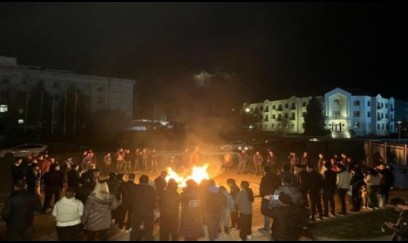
(68,212)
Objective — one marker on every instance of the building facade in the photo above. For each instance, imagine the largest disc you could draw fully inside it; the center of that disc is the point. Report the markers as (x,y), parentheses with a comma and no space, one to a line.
(286,116)
(345,114)
(17,81)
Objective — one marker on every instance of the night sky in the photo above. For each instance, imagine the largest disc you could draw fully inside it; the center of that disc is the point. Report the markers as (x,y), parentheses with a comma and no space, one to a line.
(269,50)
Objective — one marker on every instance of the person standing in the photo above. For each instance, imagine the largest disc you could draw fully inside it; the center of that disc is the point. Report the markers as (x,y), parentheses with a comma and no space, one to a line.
(286,219)
(18,212)
(244,201)
(97,216)
(243,159)
(269,183)
(143,210)
(258,161)
(343,185)
(191,224)
(53,182)
(234,190)
(125,193)
(67,212)
(169,212)
(107,162)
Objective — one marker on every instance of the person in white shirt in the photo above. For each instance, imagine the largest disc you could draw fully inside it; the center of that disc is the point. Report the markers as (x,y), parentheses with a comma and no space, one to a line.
(67,212)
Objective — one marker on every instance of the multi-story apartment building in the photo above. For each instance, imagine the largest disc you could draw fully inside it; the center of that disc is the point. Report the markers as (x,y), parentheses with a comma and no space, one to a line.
(345,114)
(17,81)
(281,115)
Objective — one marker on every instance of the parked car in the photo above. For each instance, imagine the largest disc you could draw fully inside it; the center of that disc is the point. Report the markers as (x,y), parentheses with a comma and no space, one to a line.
(23,150)
(236,146)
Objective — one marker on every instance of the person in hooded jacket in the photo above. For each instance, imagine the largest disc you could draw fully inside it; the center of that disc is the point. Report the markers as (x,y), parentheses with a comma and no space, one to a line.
(97,212)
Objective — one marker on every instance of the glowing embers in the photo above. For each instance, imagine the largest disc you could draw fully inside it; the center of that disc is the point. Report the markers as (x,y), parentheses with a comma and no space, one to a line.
(197,174)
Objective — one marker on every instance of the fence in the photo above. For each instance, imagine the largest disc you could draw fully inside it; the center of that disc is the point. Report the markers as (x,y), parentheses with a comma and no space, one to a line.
(391,153)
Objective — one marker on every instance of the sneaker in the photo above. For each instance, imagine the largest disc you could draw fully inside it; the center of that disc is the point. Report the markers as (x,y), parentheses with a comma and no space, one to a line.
(263,230)
(128,230)
(249,237)
(122,229)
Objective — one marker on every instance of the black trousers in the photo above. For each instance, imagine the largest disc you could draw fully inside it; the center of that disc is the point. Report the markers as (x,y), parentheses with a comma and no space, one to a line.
(24,235)
(51,191)
(69,233)
(328,197)
(145,221)
(245,225)
(169,225)
(102,235)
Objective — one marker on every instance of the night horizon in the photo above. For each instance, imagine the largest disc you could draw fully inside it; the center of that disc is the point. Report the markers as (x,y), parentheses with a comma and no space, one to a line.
(268,50)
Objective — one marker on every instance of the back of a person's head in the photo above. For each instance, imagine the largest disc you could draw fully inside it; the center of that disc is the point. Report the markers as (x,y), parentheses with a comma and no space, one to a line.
(286,167)
(210,182)
(245,184)
(144,179)
(70,192)
(191,184)
(172,184)
(119,176)
(132,176)
(230,181)
(112,175)
(267,169)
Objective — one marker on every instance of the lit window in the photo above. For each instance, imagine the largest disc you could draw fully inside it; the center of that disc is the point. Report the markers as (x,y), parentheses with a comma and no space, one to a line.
(356,125)
(3,108)
(20,121)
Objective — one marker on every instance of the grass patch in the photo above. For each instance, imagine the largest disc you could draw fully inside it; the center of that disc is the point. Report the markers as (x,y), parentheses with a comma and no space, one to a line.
(366,225)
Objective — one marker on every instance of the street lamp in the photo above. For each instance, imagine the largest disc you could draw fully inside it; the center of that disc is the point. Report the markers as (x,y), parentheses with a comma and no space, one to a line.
(243,113)
(399,130)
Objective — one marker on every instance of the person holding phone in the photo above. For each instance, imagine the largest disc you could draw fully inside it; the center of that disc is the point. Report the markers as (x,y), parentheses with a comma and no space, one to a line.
(401,227)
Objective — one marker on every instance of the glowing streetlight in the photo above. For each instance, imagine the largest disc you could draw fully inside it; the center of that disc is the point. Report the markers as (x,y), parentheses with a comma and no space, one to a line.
(246,110)
(399,130)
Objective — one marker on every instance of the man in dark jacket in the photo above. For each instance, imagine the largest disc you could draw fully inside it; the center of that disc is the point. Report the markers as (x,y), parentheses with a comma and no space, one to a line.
(53,182)
(160,184)
(213,203)
(269,183)
(169,212)
(329,188)
(286,219)
(125,194)
(315,189)
(18,212)
(144,203)
(234,190)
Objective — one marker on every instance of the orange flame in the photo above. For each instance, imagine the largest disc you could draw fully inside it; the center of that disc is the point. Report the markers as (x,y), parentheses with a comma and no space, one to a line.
(197,174)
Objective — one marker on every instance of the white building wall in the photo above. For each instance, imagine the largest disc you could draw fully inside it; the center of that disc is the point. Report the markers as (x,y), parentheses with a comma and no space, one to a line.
(103,92)
(345,114)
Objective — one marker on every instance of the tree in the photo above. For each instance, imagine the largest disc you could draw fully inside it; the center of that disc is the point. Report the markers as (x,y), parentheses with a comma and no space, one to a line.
(314,119)
(39,107)
(253,117)
(73,110)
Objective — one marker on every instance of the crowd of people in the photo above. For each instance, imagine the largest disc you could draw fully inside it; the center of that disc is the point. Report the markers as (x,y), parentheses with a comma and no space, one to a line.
(99,196)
